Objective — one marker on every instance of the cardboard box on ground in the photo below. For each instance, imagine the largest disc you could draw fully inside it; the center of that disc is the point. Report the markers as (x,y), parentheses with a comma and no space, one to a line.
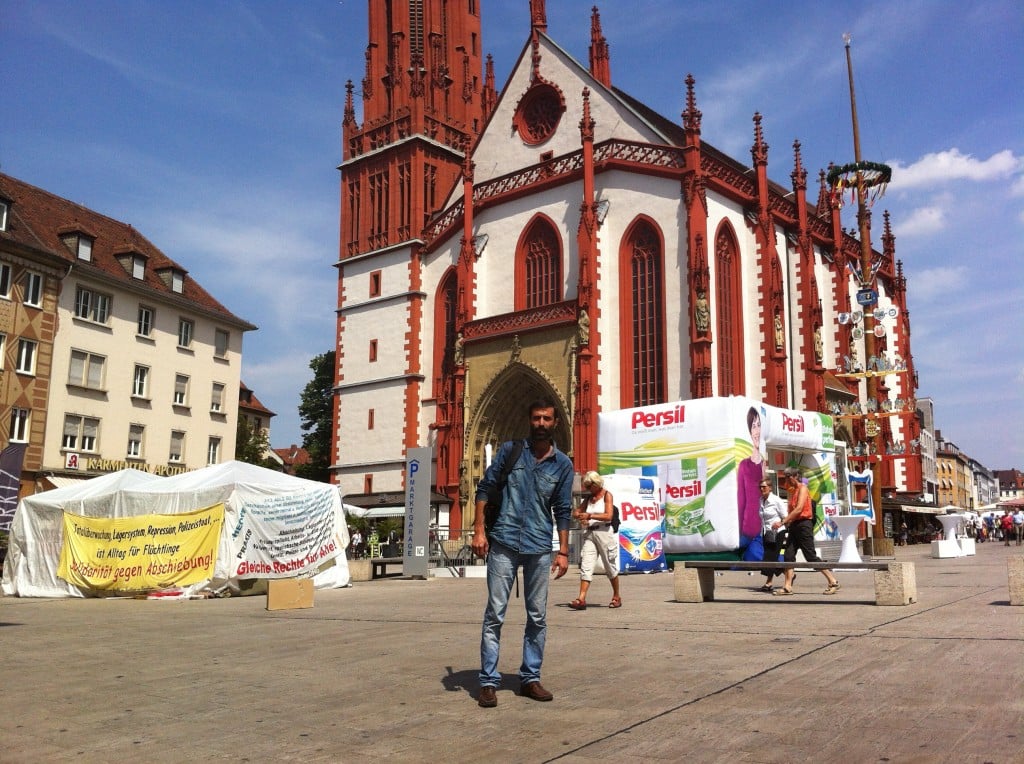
(289,593)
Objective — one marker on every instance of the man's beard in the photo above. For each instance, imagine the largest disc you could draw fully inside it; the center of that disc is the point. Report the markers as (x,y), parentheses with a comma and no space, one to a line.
(540,433)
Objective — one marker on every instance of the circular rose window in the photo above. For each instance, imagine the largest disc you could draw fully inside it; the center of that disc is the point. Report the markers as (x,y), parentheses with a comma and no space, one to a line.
(538,114)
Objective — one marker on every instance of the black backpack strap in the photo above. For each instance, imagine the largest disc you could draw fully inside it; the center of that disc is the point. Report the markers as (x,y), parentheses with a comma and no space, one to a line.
(510,463)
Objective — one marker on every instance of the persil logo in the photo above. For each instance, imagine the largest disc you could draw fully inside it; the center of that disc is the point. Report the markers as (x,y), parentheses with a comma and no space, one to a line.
(644,419)
(792,424)
(685,490)
(632,511)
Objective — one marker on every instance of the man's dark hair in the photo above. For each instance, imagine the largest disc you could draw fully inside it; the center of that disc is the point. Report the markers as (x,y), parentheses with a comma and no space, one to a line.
(543,403)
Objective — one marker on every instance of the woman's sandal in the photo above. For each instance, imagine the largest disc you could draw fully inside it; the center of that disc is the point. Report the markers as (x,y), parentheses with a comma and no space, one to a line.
(832,588)
(783,592)
(616,602)
(767,588)
(578,604)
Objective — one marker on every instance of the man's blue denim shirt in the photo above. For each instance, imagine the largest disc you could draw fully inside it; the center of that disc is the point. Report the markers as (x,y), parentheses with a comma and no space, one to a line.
(534,490)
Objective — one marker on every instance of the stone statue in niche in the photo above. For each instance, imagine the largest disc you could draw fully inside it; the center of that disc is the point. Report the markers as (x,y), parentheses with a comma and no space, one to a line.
(460,350)
(818,349)
(583,325)
(702,313)
(778,331)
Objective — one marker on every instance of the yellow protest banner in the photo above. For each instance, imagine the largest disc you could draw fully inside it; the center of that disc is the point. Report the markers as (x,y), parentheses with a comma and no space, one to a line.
(140,553)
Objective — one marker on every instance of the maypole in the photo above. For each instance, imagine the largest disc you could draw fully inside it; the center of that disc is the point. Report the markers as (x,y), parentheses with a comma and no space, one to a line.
(866,181)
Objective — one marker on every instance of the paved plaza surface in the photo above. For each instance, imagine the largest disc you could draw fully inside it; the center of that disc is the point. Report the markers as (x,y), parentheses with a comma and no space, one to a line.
(386,670)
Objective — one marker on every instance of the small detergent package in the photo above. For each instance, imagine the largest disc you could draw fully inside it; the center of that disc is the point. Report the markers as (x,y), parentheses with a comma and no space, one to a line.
(641,522)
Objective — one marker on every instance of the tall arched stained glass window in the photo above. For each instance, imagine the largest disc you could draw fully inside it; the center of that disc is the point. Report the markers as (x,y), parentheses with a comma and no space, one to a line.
(541,266)
(643,328)
(729,309)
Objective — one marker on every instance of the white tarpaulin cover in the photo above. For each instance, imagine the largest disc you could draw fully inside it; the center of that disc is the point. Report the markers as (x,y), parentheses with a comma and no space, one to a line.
(267,515)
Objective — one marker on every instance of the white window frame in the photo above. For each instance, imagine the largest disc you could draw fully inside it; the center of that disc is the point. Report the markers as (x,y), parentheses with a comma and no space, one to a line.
(177,440)
(89,362)
(85,248)
(186,332)
(138,267)
(136,436)
(221,342)
(180,397)
(26,356)
(3,215)
(213,450)
(33,288)
(93,306)
(140,382)
(145,321)
(177,282)
(19,425)
(6,280)
(84,436)
(217,397)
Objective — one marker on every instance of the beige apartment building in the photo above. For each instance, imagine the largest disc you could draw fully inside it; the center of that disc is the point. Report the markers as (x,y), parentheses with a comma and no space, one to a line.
(145,363)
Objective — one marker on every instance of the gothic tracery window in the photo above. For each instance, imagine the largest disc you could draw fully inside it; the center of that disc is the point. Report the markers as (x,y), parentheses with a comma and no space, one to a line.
(643,337)
(538,114)
(729,298)
(541,266)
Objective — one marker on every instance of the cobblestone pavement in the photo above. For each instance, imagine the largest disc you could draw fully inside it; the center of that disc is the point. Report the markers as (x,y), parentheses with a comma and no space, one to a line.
(386,670)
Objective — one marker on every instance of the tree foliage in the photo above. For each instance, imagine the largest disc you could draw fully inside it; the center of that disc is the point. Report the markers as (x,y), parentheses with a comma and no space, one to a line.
(252,444)
(316,415)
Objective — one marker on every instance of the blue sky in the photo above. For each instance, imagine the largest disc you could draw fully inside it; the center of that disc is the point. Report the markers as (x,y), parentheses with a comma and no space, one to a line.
(213,126)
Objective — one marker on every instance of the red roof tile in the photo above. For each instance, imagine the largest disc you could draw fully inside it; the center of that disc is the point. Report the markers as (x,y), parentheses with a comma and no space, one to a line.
(37,219)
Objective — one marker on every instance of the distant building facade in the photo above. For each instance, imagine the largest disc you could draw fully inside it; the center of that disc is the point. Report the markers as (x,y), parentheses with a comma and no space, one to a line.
(955,477)
(252,411)
(1011,484)
(139,363)
(291,457)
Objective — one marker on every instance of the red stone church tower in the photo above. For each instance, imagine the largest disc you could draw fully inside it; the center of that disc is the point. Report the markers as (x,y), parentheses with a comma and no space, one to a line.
(424,102)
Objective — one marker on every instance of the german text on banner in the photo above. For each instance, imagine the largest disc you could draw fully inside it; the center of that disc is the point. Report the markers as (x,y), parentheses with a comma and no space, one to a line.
(140,553)
(284,536)
(10,480)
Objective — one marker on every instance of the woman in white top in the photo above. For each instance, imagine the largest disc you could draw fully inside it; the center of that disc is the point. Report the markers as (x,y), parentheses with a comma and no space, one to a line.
(599,540)
(773,513)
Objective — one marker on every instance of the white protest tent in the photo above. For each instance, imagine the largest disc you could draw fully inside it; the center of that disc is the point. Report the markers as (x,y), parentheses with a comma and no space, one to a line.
(37,532)
(242,488)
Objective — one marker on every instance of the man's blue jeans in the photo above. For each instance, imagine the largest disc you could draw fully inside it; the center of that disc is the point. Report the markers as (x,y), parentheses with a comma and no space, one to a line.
(502,564)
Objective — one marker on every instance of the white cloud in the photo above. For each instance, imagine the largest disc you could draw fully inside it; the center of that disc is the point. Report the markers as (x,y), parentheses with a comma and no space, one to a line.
(936,282)
(923,221)
(949,166)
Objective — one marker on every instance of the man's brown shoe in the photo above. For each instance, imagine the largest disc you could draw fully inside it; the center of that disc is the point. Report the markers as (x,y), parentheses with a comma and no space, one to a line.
(535,691)
(487,697)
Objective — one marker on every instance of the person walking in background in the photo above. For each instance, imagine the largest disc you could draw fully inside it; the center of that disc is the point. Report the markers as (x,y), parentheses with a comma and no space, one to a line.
(537,500)
(799,523)
(599,539)
(773,535)
(1018,526)
(1006,526)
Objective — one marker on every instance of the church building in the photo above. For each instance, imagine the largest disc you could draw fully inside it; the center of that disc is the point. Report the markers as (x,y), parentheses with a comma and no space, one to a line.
(560,239)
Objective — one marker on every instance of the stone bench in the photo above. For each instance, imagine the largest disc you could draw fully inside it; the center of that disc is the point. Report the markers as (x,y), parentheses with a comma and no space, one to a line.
(895,582)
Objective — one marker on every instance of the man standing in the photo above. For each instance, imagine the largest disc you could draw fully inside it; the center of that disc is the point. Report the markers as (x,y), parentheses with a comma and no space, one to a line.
(1018,525)
(539,484)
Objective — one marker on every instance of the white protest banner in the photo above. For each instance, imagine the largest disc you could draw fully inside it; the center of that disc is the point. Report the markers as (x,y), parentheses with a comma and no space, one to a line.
(285,536)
